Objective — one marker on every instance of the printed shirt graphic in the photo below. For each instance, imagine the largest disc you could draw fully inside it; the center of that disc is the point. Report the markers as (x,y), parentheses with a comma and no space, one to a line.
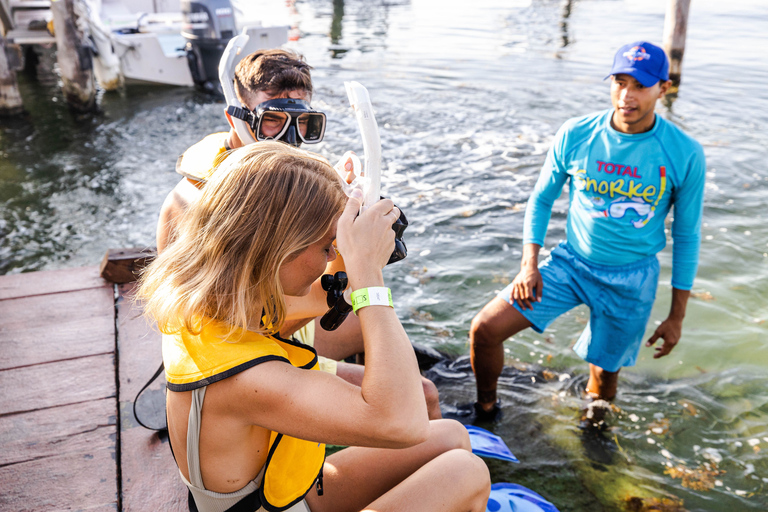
(621,188)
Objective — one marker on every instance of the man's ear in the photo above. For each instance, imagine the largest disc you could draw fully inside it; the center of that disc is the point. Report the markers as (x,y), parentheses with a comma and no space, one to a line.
(664,88)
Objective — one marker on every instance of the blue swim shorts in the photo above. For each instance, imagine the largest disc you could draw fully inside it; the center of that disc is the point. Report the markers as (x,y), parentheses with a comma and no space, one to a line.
(620,299)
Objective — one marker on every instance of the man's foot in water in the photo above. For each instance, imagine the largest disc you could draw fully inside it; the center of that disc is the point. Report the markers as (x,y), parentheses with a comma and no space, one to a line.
(472,413)
(597,442)
(595,414)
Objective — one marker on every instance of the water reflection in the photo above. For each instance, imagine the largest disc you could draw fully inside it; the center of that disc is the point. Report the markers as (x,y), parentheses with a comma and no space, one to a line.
(566,12)
(336,26)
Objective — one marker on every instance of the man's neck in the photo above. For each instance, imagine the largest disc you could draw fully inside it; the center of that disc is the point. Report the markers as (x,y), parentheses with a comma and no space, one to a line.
(633,129)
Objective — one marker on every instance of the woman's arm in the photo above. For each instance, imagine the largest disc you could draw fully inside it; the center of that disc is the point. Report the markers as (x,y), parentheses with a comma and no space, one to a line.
(388,410)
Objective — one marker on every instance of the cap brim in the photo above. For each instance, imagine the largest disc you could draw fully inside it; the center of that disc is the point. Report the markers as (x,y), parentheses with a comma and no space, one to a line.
(644,78)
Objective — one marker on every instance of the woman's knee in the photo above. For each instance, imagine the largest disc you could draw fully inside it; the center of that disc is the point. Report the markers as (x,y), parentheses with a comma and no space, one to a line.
(450,435)
(430,391)
(471,471)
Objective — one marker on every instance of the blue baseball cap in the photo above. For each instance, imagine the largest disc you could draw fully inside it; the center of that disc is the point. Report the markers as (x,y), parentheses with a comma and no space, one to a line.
(645,61)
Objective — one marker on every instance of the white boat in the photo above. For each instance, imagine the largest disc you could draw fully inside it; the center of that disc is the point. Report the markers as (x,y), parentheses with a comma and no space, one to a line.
(173,42)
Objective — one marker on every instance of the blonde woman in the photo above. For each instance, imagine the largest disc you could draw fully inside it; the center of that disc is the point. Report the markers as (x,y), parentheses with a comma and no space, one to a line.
(247,415)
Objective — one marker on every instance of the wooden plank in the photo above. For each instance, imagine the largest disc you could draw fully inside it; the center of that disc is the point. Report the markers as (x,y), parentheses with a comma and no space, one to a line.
(45,328)
(150,478)
(60,383)
(51,281)
(55,430)
(139,344)
(81,480)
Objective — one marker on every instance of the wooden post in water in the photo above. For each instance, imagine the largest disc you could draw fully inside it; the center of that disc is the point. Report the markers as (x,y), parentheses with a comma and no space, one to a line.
(74,58)
(675,28)
(10,99)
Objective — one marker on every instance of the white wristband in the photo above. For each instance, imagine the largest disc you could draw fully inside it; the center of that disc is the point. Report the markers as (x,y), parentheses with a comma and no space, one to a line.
(372,296)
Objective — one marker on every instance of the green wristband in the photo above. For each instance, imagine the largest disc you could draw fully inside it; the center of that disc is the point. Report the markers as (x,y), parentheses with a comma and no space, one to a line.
(373,296)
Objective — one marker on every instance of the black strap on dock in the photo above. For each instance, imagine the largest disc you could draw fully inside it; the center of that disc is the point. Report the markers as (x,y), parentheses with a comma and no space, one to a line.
(164,428)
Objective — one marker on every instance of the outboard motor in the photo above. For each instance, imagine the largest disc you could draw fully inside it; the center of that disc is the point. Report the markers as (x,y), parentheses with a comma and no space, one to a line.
(208,27)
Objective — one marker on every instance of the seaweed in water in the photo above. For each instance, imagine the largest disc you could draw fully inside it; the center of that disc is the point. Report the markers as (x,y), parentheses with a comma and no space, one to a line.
(637,504)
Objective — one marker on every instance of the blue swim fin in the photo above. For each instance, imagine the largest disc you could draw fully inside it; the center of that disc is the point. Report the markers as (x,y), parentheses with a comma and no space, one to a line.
(516,498)
(488,444)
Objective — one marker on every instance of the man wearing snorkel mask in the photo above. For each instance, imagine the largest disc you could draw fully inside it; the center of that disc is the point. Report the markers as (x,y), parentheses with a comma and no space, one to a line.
(274,89)
(626,167)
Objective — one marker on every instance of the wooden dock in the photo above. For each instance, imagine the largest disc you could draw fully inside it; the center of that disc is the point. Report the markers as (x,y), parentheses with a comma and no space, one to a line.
(74,351)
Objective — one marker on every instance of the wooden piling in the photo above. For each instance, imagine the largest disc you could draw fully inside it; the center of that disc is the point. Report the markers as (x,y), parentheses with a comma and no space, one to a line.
(675,28)
(10,98)
(74,57)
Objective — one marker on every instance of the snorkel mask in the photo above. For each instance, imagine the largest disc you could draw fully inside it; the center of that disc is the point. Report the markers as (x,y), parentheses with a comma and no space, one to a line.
(285,119)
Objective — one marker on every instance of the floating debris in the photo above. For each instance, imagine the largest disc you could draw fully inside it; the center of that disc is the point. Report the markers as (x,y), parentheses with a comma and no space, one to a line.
(712,454)
(659,427)
(703,296)
(422,316)
(688,407)
(699,479)
(501,279)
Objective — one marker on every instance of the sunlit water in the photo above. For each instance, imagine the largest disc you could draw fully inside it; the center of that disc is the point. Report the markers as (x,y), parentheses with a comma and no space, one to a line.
(467,101)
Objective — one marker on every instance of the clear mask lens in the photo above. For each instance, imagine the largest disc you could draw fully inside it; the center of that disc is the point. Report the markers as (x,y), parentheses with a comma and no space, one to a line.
(272,125)
(311,127)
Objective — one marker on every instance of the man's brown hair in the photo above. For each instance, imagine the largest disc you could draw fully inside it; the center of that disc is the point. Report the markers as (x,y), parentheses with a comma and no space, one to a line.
(272,71)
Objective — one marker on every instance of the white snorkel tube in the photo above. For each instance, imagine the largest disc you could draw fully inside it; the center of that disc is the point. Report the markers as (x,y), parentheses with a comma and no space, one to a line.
(233,53)
(371,172)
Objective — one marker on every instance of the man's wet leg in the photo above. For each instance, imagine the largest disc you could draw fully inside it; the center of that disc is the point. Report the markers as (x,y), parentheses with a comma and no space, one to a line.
(496,322)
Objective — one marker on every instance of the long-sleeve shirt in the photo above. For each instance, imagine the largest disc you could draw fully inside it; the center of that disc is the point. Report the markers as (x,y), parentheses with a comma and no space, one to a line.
(621,188)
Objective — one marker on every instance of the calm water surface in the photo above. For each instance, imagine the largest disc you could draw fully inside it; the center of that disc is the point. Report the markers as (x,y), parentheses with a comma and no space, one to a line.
(467,102)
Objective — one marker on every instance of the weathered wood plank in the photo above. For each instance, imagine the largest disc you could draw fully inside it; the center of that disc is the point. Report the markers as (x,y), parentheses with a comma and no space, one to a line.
(78,480)
(51,281)
(45,328)
(150,478)
(55,430)
(60,383)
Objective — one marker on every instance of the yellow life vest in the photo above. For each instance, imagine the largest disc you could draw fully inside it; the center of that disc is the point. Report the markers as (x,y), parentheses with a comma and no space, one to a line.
(197,163)
(193,361)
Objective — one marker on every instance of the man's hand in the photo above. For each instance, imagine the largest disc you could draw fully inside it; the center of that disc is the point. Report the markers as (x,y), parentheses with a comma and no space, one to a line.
(526,287)
(670,331)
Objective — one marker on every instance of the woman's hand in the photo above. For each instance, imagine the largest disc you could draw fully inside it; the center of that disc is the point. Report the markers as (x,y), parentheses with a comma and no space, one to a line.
(367,240)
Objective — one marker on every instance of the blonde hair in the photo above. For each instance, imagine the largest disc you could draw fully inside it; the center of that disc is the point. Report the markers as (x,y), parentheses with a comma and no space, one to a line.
(265,204)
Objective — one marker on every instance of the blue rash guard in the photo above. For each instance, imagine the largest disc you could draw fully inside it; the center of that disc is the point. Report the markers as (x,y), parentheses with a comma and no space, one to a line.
(621,189)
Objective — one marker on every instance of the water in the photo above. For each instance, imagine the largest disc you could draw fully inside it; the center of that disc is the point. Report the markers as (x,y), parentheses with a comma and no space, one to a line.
(467,102)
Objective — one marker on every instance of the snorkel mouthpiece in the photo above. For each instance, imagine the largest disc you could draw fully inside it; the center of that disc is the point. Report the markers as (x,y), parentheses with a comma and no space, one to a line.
(340,308)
